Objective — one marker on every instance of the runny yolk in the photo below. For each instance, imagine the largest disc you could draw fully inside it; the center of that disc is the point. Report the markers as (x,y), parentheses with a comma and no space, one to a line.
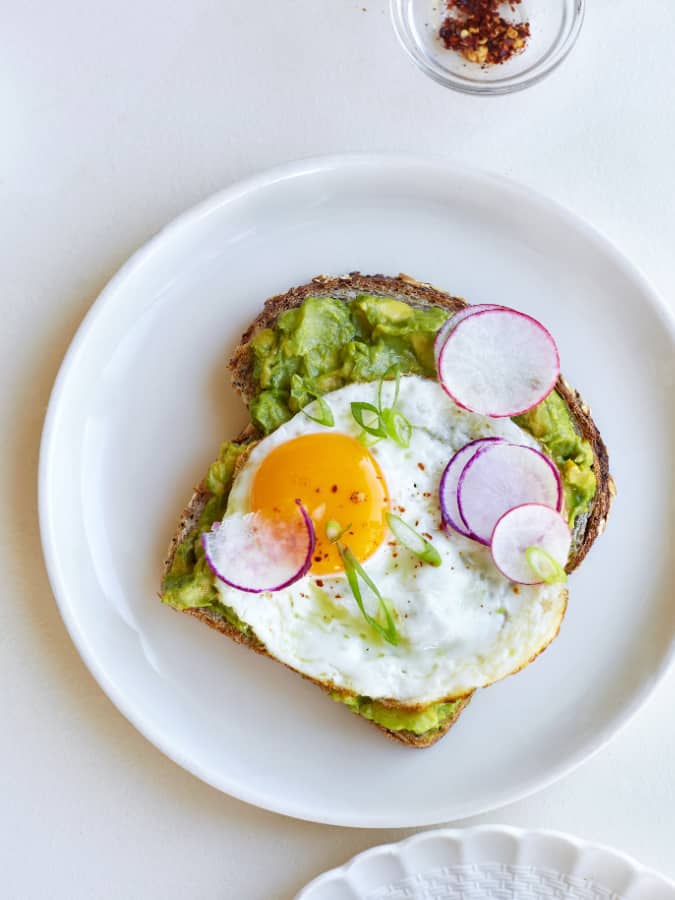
(336,478)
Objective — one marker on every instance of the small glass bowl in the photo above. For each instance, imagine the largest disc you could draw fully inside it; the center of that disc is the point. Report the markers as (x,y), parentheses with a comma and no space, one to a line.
(554,26)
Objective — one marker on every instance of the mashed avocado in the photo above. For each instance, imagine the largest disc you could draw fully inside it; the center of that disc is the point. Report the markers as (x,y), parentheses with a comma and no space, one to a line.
(417,721)
(328,343)
(550,423)
(319,347)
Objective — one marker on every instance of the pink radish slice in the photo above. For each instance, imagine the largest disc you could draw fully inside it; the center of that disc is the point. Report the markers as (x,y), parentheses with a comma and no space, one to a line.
(255,553)
(455,319)
(450,479)
(502,476)
(498,362)
(530,525)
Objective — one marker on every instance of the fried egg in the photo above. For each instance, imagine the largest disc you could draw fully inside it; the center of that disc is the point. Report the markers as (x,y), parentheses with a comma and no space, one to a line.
(462,625)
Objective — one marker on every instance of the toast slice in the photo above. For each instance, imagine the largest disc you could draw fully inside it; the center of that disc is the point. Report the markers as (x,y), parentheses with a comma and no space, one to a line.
(346,287)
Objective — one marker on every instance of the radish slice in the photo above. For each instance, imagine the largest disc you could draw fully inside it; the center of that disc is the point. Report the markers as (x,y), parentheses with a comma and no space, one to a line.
(526,527)
(502,476)
(255,553)
(498,362)
(455,319)
(449,481)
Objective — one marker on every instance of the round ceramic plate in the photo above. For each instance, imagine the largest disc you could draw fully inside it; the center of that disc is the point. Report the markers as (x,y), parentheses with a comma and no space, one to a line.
(490,863)
(143,401)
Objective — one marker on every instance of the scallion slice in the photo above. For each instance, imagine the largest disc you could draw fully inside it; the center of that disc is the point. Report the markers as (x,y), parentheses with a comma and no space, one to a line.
(383,421)
(325,416)
(374,424)
(354,570)
(397,427)
(334,530)
(545,566)
(414,541)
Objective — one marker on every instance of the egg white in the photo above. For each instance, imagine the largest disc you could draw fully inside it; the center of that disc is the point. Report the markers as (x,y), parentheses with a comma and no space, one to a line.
(462,625)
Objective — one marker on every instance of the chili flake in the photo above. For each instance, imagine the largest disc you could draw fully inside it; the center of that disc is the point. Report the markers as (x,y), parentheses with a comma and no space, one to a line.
(478,31)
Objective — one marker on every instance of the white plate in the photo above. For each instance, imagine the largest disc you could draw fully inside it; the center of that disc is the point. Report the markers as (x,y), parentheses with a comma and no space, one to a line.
(143,400)
(490,863)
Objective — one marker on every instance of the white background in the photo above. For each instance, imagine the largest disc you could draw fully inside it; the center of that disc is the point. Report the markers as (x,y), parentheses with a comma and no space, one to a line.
(114,118)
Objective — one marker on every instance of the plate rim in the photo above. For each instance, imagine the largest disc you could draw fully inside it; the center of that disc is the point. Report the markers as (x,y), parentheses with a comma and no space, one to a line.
(336,874)
(260,181)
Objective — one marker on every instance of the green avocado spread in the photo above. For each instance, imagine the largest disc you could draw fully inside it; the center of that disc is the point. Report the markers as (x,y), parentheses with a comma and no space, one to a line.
(325,344)
(418,721)
(319,347)
(551,424)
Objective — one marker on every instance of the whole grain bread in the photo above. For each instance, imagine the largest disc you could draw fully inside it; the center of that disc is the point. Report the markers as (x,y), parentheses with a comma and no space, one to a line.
(419,294)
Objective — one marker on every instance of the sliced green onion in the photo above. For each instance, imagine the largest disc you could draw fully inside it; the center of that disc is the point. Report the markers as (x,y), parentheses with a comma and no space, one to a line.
(299,391)
(368,440)
(396,426)
(334,530)
(325,416)
(392,372)
(414,541)
(354,570)
(358,410)
(545,566)
(382,421)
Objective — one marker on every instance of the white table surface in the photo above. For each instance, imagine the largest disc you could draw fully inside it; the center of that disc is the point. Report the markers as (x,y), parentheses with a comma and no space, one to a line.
(117,116)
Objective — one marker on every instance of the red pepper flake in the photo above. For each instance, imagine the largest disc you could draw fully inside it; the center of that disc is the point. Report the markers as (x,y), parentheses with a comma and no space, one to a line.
(516,589)
(427,535)
(477,30)
(319,582)
(357,497)
(421,466)
(426,494)
(334,489)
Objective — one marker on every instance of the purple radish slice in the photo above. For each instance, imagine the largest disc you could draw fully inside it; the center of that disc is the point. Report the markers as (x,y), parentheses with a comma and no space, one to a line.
(455,319)
(255,553)
(502,476)
(498,362)
(449,481)
(526,527)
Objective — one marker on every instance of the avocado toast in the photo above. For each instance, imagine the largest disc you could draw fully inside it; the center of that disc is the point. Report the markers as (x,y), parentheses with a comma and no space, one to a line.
(318,338)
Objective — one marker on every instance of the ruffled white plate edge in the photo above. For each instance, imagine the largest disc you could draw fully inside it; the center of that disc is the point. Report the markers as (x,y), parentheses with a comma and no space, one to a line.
(389,863)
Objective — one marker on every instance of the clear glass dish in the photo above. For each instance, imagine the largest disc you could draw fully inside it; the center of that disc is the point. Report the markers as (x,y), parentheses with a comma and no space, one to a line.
(554,26)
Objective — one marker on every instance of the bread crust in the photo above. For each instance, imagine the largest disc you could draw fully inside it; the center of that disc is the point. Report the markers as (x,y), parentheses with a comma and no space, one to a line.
(419,294)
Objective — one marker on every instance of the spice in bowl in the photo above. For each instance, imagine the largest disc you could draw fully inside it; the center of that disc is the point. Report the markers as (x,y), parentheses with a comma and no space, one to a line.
(479,32)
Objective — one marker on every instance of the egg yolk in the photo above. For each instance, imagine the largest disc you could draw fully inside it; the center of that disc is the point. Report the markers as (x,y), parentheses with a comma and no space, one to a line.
(336,478)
